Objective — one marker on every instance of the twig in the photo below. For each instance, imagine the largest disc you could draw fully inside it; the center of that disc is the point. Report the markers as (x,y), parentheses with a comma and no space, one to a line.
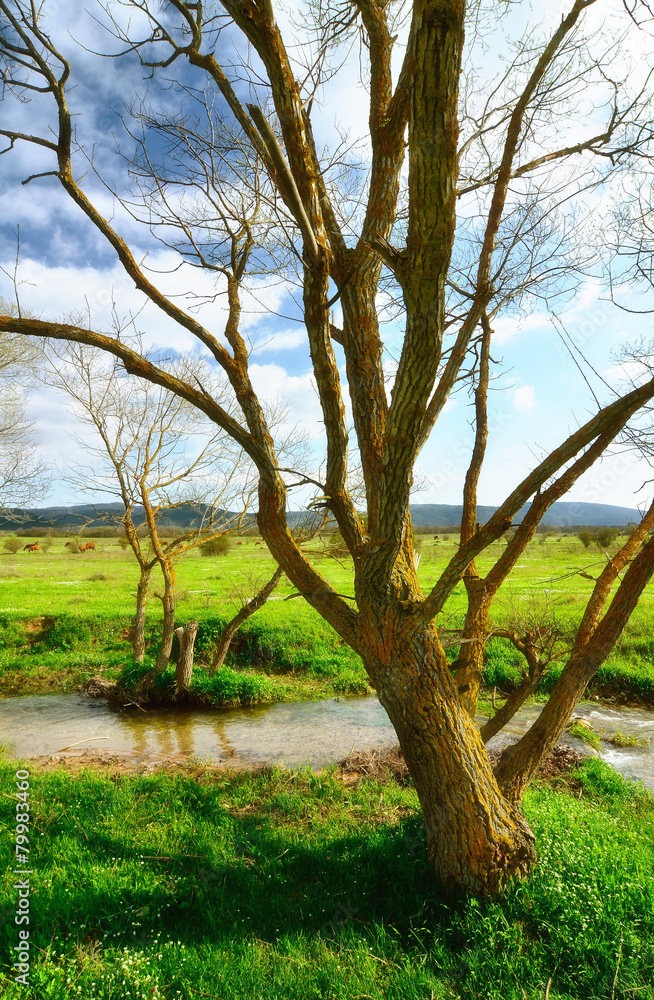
(90,739)
(303,593)
(66,813)
(617,968)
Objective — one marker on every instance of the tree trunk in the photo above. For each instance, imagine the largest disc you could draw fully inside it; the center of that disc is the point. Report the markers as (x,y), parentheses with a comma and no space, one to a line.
(476,839)
(184,668)
(248,609)
(168,629)
(470,661)
(594,643)
(138,639)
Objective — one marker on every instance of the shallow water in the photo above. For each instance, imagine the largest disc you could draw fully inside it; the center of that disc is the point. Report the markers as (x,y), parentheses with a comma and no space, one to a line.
(313,733)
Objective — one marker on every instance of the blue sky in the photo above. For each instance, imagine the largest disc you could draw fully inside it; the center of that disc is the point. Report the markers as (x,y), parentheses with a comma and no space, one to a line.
(539,395)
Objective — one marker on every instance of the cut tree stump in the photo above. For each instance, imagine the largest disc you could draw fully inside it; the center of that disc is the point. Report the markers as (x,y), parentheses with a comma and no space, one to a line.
(184,668)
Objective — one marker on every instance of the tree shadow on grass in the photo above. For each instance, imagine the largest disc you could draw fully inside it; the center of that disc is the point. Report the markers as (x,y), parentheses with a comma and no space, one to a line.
(272,860)
(245,873)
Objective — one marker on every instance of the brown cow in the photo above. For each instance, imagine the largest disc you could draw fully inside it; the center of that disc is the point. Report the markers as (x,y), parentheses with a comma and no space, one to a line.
(87,547)
(68,545)
(32,548)
(239,543)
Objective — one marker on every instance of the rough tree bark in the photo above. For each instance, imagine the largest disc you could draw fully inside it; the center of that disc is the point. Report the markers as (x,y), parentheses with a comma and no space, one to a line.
(184,666)
(477,838)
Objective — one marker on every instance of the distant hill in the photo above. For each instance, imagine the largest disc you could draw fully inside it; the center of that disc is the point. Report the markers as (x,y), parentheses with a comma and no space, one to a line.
(439,515)
(185,516)
(559,515)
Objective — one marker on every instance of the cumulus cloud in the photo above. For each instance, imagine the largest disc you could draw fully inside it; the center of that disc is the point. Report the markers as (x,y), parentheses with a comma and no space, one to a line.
(283,340)
(508,327)
(297,392)
(524,398)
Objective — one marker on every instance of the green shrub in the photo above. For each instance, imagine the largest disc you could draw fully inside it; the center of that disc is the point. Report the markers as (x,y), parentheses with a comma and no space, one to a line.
(218,546)
(229,687)
(503,665)
(12,545)
(67,632)
(12,633)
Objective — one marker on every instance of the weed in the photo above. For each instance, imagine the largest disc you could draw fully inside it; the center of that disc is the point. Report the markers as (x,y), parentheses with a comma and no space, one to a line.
(284,884)
(583,731)
(620,739)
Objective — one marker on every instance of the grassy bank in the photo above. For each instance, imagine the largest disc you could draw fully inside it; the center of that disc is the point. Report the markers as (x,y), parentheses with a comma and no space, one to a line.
(289,884)
(89,602)
(272,659)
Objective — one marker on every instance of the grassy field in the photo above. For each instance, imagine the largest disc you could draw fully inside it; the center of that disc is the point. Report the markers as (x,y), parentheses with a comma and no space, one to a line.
(103,581)
(288,885)
(283,885)
(66,616)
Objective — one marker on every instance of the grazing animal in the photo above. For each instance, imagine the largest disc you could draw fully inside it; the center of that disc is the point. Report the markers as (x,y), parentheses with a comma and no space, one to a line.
(89,545)
(68,545)
(239,543)
(32,548)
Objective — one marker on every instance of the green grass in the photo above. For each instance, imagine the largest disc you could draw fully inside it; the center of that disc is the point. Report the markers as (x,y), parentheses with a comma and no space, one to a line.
(290,885)
(89,602)
(585,735)
(620,739)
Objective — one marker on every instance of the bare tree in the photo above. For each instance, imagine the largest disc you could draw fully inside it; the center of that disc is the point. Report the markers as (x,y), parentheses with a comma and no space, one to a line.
(486,217)
(156,453)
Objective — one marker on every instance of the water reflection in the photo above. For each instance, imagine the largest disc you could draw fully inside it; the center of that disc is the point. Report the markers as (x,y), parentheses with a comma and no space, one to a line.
(314,733)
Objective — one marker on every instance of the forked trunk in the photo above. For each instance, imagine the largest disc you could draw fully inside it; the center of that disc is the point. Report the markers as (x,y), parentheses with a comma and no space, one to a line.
(138,640)
(476,839)
(470,661)
(168,629)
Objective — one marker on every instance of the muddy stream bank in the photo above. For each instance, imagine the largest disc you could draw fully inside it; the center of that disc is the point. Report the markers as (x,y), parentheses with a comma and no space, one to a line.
(315,733)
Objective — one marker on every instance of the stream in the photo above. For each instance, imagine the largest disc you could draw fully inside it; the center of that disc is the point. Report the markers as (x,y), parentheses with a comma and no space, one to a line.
(315,733)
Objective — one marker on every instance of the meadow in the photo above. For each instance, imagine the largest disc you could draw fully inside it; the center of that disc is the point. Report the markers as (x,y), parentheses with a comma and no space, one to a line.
(66,616)
(284,885)
(277,885)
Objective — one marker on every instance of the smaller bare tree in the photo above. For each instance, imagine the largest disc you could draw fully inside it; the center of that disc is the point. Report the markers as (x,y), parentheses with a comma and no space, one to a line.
(155,453)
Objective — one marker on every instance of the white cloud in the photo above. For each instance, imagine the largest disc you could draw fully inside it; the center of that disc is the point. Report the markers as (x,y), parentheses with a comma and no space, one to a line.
(56,293)
(524,398)
(297,392)
(283,340)
(507,327)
